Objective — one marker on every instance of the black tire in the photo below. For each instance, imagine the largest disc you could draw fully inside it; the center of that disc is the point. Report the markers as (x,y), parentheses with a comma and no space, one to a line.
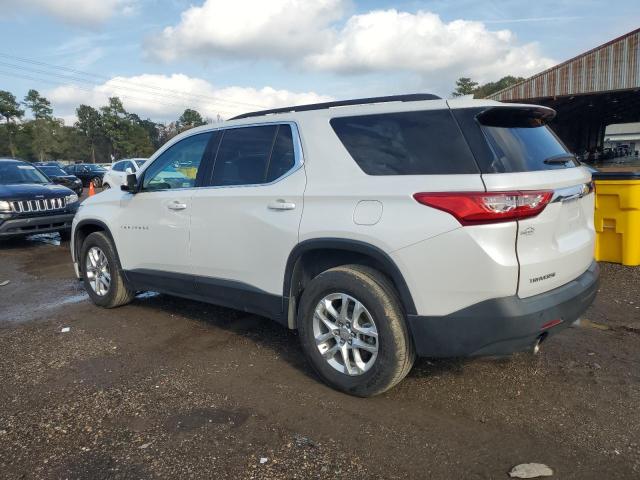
(396,352)
(97,182)
(106,186)
(118,294)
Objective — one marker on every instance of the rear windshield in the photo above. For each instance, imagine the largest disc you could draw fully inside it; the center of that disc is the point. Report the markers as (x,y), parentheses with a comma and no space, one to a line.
(406,143)
(507,140)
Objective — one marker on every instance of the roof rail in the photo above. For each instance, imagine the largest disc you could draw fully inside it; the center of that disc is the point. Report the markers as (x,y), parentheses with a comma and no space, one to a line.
(414,97)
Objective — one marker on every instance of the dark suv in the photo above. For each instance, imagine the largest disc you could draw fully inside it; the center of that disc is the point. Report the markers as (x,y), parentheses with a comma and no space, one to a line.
(60,177)
(87,172)
(30,203)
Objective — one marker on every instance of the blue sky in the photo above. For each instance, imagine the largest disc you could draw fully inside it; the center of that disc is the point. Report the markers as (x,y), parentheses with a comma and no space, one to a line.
(224,57)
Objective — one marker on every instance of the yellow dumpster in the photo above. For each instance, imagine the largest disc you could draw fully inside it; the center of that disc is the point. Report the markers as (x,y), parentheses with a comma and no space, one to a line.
(617,217)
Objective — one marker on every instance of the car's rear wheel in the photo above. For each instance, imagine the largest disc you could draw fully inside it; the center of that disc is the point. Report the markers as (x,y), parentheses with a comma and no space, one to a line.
(353,332)
(106,186)
(102,274)
(97,182)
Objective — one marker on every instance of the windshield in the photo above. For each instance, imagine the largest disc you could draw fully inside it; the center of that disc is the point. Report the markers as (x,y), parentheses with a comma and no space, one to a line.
(53,171)
(20,173)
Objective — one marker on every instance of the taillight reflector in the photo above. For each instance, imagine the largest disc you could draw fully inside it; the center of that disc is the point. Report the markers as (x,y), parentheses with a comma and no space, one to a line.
(474,208)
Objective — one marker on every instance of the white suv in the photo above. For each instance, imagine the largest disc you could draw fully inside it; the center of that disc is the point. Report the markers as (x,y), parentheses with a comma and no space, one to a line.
(116,176)
(380,228)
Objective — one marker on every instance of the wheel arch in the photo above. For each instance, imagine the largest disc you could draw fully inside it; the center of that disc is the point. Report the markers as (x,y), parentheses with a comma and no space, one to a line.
(312,257)
(83,229)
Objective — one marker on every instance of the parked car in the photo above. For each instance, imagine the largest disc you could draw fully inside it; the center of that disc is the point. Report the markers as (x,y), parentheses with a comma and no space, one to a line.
(117,175)
(52,163)
(59,176)
(87,172)
(381,230)
(30,203)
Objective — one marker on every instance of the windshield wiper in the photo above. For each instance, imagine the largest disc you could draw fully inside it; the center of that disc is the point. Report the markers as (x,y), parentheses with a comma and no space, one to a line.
(560,158)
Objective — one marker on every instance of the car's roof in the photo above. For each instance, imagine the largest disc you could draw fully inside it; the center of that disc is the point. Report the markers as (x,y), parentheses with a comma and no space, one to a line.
(10,160)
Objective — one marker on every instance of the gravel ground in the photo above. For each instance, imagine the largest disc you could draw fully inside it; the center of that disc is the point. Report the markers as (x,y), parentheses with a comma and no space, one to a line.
(169,388)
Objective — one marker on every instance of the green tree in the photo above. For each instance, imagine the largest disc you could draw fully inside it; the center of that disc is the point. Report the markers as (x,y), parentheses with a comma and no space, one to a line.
(39,105)
(483,91)
(115,124)
(90,125)
(10,110)
(190,118)
(464,86)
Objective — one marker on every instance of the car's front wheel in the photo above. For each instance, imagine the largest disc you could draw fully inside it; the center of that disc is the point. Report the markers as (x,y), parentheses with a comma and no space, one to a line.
(97,182)
(353,331)
(102,274)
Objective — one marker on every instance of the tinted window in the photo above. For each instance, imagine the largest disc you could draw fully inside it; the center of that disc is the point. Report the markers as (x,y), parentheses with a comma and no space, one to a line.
(283,157)
(406,143)
(12,173)
(118,167)
(243,156)
(507,139)
(70,169)
(177,167)
(53,171)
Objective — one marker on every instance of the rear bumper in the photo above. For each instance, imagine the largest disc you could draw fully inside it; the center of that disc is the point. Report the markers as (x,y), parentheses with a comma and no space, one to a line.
(30,225)
(504,325)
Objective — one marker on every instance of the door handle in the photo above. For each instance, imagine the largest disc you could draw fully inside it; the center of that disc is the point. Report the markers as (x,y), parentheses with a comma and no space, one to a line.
(281,205)
(176,205)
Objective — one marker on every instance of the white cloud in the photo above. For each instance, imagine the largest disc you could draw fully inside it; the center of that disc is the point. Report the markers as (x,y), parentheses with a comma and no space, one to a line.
(165,97)
(305,33)
(256,28)
(80,12)
(389,40)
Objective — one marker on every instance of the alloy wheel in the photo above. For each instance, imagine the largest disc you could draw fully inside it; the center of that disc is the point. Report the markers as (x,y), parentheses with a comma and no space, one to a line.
(345,334)
(97,271)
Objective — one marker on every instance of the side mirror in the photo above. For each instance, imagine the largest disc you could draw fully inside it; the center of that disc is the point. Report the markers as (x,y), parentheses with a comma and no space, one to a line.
(131,184)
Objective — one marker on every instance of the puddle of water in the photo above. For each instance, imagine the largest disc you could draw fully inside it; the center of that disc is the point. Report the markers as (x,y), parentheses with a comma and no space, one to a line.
(77,298)
(48,238)
(147,295)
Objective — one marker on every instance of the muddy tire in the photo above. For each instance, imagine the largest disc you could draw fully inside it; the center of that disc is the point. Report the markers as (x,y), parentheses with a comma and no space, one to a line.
(353,332)
(101,272)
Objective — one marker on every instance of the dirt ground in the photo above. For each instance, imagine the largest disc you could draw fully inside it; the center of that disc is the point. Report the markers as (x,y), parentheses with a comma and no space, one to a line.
(169,388)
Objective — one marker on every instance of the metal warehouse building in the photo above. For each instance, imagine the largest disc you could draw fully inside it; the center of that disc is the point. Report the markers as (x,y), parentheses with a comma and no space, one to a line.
(589,92)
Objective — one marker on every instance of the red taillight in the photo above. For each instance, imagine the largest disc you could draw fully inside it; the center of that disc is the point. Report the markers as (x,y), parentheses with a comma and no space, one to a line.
(473,208)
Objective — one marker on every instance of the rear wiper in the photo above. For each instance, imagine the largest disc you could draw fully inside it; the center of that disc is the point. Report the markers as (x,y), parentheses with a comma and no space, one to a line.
(560,158)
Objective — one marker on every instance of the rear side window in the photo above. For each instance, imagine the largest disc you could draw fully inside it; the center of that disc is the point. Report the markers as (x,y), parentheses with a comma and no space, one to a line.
(253,155)
(406,143)
(508,139)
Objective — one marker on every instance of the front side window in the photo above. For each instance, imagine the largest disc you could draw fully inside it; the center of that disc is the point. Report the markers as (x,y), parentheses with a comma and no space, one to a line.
(406,143)
(118,167)
(177,167)
(254,155)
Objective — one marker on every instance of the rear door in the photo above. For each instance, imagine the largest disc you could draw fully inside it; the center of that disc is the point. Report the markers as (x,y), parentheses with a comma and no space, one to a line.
(517,151)
(245,222)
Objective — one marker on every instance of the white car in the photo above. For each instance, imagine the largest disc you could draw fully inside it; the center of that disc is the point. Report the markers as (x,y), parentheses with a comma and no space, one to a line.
(117,173)
(380,228)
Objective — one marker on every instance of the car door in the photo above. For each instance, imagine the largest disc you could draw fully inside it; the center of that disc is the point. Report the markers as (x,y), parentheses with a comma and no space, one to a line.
(245,220)
(153,230)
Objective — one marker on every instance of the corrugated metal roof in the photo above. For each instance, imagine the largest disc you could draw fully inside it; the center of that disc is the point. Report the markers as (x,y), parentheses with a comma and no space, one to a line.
(612,66)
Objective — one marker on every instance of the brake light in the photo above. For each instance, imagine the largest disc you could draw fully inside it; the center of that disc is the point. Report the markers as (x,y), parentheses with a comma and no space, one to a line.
(474,208)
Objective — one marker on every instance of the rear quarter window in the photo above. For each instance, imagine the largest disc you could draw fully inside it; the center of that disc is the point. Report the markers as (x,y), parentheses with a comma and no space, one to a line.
(406,143)
(510,140)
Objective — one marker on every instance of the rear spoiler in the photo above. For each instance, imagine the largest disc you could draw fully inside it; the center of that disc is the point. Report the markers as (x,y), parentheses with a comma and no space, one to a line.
(516,117)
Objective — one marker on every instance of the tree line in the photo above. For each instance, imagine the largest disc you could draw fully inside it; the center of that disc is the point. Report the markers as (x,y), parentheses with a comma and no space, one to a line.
(466,86)
(98,136)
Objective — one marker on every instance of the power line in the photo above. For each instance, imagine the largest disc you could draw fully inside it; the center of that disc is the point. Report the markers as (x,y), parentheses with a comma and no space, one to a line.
(103,77)
(125,95)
